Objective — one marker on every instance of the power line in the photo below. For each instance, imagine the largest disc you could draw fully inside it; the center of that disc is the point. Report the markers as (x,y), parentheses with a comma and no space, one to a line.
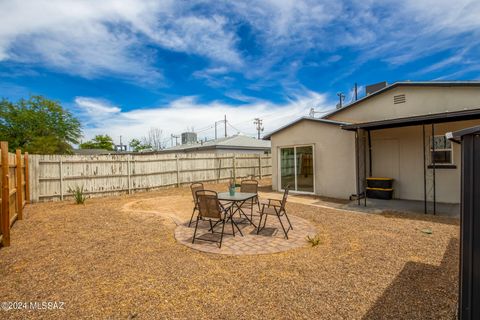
(240,131)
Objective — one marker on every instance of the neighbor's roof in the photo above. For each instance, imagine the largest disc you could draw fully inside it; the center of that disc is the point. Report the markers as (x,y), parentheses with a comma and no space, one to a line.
(408,84)
(338,123)
(234,142)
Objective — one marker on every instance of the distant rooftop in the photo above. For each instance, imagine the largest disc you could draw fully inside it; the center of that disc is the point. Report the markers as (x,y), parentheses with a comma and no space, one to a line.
(236,142)
(86,152)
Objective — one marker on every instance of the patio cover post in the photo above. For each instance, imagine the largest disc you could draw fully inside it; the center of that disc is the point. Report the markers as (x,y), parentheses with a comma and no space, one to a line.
(358,166)
(365,169)
(424,173)
(369,154)
(433,165)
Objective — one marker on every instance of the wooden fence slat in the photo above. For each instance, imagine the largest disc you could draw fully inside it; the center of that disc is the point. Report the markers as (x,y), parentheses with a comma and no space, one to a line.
(234,167)
(120,173)
(260,166)
(5,213)
(18,185)
(27,178)
(178,170)
(60,164)
(129,177)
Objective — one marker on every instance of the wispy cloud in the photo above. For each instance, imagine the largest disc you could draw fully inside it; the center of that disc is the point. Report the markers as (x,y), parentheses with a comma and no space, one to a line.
(94,38)
(119,38)
(96,107)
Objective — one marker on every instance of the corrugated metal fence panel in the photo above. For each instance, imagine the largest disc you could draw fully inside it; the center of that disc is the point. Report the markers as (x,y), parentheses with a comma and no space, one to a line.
(469,299)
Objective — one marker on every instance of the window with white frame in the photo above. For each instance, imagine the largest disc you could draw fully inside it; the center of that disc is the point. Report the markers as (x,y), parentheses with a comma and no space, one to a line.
(441,150)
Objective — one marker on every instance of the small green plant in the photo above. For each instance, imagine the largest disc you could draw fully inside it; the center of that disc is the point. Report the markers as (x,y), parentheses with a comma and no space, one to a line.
(78,194)
(315,240)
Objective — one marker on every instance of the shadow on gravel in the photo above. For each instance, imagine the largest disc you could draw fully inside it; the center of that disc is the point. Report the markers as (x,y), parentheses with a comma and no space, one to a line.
(422,291)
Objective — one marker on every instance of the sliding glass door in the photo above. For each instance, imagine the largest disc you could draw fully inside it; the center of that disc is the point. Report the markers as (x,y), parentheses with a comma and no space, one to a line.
(296,168)
(287,167)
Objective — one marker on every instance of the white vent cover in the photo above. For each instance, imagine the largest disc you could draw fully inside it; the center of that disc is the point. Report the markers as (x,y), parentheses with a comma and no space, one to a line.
(399,99)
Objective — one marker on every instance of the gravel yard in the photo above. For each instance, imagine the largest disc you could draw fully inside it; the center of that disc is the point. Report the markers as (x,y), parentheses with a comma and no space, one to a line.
(117,258)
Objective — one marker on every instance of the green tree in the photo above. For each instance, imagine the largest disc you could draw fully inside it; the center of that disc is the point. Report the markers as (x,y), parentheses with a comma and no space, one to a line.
(99,142)
(38,125)
(138,146)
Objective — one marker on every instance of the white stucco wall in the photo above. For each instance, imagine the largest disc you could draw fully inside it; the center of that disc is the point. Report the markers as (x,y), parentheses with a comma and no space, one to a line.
(398,153)
(334,156)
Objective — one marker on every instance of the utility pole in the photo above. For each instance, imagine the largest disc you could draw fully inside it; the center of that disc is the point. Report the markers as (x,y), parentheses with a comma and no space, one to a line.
(341,97)
(356,91)
(172,136)
(225,122)
(120,147)
(258,123)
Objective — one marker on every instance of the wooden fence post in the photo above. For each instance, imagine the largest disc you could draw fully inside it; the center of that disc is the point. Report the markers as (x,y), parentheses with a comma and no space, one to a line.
(5,195)
(260,166)
(129,177)
(61,177)
(19,186)
(27,178)
(178,170)
(234,167)
(218,162)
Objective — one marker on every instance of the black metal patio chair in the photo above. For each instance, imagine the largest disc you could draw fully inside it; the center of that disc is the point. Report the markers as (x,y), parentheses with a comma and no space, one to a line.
(277,208)
(250,186)
(210,208)
(194,187)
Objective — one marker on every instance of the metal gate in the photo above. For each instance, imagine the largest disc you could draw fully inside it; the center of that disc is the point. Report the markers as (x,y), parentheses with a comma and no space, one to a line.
(469,297)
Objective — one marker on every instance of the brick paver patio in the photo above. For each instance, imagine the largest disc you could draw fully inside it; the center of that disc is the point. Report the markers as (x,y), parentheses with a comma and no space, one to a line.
(269,240)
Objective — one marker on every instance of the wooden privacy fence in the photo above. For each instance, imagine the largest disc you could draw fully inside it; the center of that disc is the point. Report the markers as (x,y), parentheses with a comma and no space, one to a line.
(15,189)
(54,176)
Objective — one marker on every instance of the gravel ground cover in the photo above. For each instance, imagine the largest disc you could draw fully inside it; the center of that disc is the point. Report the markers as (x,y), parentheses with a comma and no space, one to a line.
(117,258)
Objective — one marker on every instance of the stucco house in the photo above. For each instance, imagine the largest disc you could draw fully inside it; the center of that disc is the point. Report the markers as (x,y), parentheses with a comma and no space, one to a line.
(397,132)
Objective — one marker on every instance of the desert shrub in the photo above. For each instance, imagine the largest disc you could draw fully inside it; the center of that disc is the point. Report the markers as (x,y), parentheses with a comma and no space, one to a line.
(78,194)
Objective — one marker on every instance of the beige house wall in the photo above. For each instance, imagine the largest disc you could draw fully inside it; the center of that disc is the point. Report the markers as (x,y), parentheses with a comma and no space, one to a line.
(398,153)
(420,100)
(334,156)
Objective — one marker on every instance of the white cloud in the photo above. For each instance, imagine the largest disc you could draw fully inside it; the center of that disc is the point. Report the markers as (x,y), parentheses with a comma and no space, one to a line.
(96,107)
(187,112)
(93,38)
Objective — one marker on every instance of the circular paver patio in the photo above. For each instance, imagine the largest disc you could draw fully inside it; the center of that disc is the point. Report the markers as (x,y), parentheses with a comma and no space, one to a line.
(269,240)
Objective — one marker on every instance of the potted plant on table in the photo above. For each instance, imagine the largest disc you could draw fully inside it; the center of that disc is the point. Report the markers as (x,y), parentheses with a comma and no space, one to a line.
(232,185)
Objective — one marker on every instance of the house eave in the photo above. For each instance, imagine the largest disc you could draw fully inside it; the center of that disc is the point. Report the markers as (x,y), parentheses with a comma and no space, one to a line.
(471,114)
(320,120)
(407,84)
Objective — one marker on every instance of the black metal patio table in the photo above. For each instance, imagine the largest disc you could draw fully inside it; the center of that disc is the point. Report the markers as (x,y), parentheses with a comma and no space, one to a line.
(237,201)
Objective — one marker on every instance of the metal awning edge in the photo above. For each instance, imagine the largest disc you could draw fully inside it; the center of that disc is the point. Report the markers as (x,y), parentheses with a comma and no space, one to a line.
(416,120)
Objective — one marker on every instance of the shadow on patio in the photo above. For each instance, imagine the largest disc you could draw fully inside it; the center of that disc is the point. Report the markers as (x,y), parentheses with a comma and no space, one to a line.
(447,210)
(421,291)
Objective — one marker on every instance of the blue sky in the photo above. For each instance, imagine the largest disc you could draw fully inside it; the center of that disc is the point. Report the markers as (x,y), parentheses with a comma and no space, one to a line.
(126,66)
